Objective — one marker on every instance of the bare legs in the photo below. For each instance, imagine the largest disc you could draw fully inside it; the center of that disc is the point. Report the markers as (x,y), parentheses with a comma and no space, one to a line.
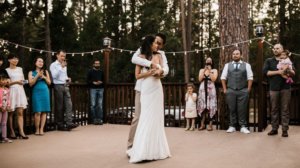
(202,127)
(39,120)
(20,121)
(188,124)
(19,111)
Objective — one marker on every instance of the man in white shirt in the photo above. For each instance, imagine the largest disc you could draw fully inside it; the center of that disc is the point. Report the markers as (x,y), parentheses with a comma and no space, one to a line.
(237,78)
(62,93)
(136,59)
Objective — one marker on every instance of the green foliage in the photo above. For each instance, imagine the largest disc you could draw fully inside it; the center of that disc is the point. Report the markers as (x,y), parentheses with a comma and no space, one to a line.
(82,26)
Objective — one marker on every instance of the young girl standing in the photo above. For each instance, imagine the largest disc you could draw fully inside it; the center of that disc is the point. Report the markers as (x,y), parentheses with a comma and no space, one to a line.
(190,107)
(4,106)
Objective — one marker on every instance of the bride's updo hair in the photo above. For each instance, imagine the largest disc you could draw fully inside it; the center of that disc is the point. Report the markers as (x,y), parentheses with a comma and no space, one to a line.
(146,46)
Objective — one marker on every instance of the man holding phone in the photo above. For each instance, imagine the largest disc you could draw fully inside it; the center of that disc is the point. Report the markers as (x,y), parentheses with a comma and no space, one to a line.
(62,93)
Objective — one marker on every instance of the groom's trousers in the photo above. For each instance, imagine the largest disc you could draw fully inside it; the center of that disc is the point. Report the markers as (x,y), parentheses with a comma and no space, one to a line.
(135,119)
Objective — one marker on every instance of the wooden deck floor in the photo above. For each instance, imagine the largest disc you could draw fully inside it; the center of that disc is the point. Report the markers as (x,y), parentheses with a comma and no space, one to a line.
(104,147)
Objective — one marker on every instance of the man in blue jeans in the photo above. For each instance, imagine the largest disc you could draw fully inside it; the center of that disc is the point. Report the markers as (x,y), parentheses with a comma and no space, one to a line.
(95,81)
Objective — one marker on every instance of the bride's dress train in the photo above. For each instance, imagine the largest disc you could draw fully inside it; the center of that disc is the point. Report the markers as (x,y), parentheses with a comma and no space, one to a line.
(150,142)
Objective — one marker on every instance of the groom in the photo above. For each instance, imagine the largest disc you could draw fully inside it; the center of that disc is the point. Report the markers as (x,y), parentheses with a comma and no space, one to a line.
(160,40)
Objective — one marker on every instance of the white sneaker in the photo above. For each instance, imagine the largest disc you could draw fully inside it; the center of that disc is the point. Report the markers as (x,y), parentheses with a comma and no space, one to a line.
(231,130)
(245,130)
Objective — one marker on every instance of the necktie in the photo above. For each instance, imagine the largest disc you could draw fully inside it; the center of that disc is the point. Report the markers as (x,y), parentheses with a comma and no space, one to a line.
(236,66)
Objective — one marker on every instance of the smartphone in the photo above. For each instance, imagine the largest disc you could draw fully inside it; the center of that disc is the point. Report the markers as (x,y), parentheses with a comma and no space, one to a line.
(25,82)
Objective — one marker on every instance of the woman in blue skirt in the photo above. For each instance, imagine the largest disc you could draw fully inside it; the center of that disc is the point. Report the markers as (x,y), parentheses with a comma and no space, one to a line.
(39,80)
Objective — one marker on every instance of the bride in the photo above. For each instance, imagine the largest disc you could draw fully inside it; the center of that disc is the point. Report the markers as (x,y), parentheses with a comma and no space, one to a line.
(150,142)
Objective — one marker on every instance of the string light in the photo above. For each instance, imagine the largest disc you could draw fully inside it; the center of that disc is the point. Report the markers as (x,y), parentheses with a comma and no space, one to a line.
(3,42)
(73,54)
(82,54)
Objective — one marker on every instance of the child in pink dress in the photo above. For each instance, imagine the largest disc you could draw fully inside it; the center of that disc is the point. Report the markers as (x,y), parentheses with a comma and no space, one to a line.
(4,107)
(283,62)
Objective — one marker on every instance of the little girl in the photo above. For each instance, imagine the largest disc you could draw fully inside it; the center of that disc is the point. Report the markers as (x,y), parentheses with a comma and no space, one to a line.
(190,107)
(283,62)
(4,106)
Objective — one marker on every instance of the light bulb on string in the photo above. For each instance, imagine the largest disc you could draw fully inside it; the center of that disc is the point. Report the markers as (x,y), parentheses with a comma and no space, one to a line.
(82,54)
(101,51)
(30,49)
(174,54)
(73,54)
(92,53)
(197,51)
(210,50)
(17,46)
(121,50)
(250,41)
(41,51)
(185,53)
(236,45)
(52,53)
(223,48)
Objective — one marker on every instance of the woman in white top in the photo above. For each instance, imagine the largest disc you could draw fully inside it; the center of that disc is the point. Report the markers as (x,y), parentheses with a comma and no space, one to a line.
(18,98)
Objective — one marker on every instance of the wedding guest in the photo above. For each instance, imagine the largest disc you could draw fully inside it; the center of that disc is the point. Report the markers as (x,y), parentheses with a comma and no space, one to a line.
(4,106)
(280,91)
(63,112)
(95,80)
(190,107)
(18,99)
(39,80)
(207,99)
(237,78)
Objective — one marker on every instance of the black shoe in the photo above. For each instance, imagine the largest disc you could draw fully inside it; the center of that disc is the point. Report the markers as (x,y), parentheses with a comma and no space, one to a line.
(273,132)
(72,126)
(24,137)
(285,134)
(63,129)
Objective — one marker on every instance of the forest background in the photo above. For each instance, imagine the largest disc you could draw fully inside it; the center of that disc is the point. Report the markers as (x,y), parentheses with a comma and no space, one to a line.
(80,26)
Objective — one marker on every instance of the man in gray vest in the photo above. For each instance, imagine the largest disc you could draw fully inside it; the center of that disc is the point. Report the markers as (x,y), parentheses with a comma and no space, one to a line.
(237,78)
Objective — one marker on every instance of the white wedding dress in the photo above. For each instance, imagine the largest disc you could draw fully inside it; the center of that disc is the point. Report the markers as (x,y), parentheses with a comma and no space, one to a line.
(150,142)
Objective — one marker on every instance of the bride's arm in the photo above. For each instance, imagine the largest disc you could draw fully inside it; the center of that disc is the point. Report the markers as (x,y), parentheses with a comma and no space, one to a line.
(139,74)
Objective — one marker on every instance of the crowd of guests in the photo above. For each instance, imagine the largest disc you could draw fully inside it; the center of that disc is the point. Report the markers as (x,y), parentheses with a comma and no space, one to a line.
(236,79)
(13,99)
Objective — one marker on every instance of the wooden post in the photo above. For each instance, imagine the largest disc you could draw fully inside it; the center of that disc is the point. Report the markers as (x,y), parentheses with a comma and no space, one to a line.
(261,95)
(106,65)
(106,53)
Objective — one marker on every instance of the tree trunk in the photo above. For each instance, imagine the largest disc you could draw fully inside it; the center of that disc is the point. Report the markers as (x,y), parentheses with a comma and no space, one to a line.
(282,21)
(189,36)
(233,29)
(47,35)
(184,41)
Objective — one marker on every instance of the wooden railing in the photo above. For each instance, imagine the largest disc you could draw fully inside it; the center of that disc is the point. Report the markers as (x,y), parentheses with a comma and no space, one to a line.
(119,106)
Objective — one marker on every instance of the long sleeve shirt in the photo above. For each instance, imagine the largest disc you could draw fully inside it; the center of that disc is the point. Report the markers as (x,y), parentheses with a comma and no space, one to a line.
(94,76)
(146,63)
(59,74)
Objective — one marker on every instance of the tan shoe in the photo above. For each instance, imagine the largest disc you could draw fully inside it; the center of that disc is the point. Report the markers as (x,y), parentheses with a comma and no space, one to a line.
(192,129)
